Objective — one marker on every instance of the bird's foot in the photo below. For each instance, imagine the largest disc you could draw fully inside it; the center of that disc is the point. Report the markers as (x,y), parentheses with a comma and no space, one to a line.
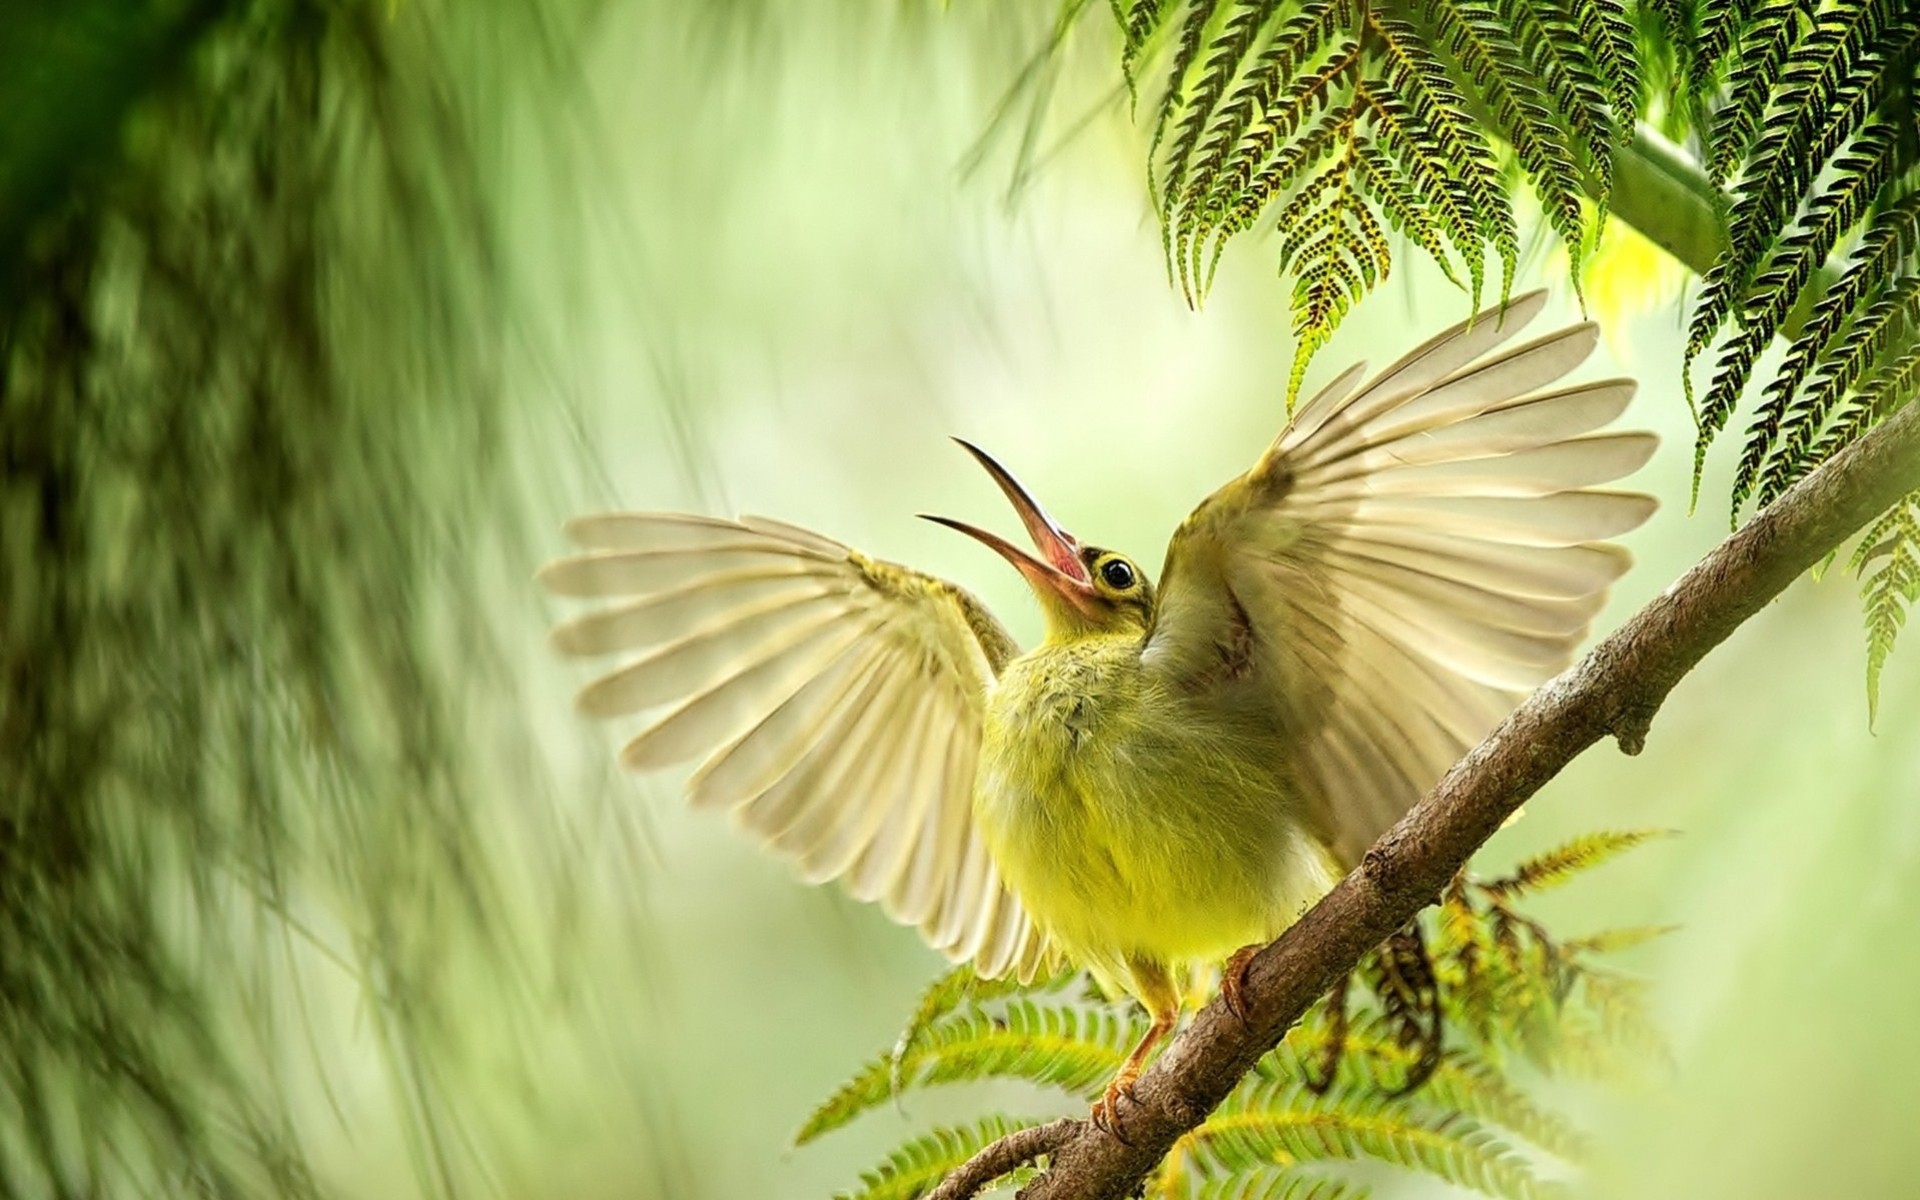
(1233,981)
(1106,1110)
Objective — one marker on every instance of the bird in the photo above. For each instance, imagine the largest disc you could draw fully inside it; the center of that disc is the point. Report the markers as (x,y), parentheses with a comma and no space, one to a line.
(1179,768)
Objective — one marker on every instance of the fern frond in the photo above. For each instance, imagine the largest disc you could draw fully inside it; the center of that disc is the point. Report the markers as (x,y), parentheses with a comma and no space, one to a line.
(1183,107)
(938,1045)
(1265,163)
(1887,562)
(946,994)
(1607,31)
(1890,317)
(1719,24)
(1890,386)
(1482,43)
(1471,1086)
(1406,210)
(1268,102)
(1730,376)
(1278,1183)
(1402,978)
(1337,254)
(1139,20)
(916,1167)
(1230,56)
(1571,87)
(1287,1123)
(1889,242)
(1250,126)
(1440,145)
(1673,25)
(1461,1082)
(1073,1048)
(1562,863)
(1620,1010)
(1859,175)
(1762,54)
(1611,941)
(1176,98)
(1830,84)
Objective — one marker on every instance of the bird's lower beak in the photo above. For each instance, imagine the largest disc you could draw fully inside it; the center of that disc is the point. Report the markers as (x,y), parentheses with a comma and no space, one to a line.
(1057,570)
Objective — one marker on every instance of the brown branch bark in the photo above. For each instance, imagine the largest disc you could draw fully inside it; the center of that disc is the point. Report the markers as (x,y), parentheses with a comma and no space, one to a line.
(1014,1150)
(1614,691)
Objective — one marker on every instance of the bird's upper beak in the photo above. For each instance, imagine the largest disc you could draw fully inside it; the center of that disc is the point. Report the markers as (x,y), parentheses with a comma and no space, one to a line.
(1057,571)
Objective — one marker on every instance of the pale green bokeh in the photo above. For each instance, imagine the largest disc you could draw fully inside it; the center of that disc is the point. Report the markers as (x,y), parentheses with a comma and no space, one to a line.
(796,297)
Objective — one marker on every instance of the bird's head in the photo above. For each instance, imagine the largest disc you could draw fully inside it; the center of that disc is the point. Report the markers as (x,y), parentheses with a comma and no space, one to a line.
(1084,591)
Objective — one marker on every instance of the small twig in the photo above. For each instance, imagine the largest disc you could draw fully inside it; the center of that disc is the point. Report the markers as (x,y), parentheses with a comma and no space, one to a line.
(1015,1150)
(1614,691)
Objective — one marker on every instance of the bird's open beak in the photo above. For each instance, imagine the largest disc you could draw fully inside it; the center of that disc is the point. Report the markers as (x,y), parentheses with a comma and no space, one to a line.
(1057,570)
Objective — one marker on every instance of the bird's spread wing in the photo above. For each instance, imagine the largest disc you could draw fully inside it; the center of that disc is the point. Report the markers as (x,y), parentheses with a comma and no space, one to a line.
(834,702)
(1408,559)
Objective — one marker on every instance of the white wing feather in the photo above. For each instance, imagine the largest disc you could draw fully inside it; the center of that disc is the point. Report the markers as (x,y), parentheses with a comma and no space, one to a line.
(835,703)
(1409,558)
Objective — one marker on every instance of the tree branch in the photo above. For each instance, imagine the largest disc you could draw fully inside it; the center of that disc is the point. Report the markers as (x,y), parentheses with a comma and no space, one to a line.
(1614,691)
(1014,1150)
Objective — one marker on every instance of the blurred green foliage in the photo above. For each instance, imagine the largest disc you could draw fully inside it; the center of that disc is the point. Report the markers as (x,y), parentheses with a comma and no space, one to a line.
(251,327)
(1408,1063)
(313,888)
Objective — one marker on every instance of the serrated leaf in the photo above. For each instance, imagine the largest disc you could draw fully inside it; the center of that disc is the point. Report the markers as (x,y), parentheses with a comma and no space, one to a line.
(1563,862)
(917,1166)
(1888,564)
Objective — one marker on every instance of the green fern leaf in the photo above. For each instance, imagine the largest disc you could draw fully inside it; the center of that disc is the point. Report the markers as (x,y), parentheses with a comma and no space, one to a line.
(1460,1083)
(1571,86)
(1887,562)
(1859,175)
(1190,94)
(1890,240)
(1281,174)
(1407,210)
(1289,1123)
(1202,72)
(1251,123)
(1138,22)
(1482,43)
(1216,115)
(1439,144)
(1762,54)
(1562,863)
(1620,1009)
(1607,31)
(1830,85)
(942,1044)
(1719,24)
(1890,386)
(1611,941)
(916,1167)
(1075,1049)
(1890,317)
(1730,376)
(1263,164)
(1277,1183)
(1337,252)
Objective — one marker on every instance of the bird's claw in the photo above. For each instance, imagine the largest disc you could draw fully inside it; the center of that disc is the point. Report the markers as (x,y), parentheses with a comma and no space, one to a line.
(1106,1110)
(1233,981)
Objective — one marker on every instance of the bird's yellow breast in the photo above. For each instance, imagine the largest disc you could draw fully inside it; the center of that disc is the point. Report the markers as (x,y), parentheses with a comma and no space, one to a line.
(1133,823)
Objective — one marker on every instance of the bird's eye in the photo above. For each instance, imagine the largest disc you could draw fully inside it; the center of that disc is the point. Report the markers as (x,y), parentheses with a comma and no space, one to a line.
(1117,573)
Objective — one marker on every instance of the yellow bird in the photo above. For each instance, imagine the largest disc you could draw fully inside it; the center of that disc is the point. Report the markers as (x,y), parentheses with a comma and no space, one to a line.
(1176,772)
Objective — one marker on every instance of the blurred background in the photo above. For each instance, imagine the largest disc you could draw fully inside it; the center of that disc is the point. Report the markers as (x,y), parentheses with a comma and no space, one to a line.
(309,844)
